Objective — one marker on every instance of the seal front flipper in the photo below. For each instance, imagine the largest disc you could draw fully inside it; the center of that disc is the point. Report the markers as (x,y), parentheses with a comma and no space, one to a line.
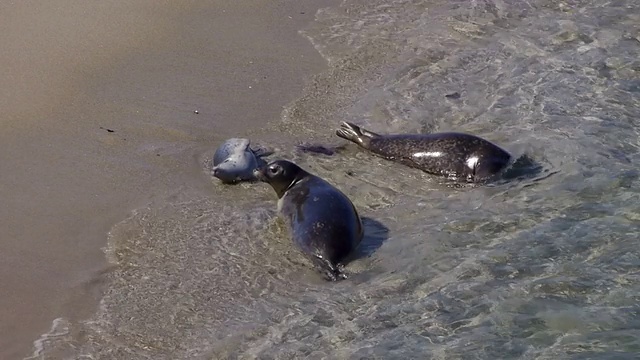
(330,271)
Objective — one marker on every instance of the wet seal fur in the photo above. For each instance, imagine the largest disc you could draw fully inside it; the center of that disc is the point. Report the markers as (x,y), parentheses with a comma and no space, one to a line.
(323,221)
(458,156)
(234,161)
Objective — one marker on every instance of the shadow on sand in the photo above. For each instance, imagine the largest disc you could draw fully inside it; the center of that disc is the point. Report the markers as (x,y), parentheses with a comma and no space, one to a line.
(375,234)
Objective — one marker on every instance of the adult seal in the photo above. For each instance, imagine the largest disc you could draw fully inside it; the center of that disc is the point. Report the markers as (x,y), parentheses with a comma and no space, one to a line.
(322,221)
(234,161)
(456,155)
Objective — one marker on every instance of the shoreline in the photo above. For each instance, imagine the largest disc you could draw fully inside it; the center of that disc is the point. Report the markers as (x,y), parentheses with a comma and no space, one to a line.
(70,180)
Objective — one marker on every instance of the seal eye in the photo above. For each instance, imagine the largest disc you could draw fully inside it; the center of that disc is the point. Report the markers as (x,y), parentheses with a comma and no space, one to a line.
(274,169)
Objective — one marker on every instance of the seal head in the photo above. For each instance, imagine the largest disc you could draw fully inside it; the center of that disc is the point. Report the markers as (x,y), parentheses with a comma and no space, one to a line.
(322,221)
(234,161)
(281,175)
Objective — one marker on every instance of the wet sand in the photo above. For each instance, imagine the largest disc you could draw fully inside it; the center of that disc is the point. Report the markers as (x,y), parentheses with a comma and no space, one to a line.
(98,119)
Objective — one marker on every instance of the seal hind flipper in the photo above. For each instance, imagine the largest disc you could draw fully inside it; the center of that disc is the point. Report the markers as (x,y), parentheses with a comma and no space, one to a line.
(354,133)
(259,152)
(365,132)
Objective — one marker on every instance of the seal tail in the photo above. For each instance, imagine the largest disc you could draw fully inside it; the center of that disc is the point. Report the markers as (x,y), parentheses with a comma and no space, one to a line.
(354,133)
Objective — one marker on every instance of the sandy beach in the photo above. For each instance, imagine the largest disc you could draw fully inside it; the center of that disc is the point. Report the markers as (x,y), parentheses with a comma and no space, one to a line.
(116,242)
(99,118)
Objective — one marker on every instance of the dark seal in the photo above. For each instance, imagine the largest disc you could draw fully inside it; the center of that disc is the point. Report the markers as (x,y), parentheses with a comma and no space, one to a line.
(458,156)
(323,221)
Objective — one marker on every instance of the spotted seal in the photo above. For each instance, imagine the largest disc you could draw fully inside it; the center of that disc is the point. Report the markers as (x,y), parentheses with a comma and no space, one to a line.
(458,156)
(323,221)
(234,160)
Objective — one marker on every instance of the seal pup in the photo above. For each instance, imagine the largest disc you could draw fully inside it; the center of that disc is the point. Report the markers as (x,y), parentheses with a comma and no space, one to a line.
(322,221)
(458,156)
(234,161)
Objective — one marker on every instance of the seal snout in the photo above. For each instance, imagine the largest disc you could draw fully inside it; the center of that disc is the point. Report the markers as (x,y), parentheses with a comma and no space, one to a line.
(259,174)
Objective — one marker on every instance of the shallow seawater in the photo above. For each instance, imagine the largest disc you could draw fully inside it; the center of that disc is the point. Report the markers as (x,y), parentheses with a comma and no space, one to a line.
(539,267)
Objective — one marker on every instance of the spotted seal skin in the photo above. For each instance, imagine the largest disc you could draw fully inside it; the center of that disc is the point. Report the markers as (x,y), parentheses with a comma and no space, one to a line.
(323,222)
(234,161)
(458,156)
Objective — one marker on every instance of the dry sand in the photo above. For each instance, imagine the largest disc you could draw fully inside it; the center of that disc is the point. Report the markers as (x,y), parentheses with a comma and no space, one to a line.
(70,70)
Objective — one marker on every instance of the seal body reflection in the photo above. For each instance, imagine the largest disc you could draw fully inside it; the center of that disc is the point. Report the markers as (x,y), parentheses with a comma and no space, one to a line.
(458,156)
(323,222)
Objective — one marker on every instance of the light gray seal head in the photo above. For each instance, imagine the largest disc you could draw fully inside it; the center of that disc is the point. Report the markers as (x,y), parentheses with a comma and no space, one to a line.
(323,222)
(234,161)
